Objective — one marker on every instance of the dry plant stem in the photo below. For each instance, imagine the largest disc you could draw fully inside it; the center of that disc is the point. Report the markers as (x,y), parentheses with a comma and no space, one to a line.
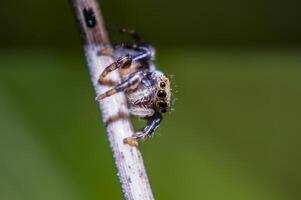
(128,160)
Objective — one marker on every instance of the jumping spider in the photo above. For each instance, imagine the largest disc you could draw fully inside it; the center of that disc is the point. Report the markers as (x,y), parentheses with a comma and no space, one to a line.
(147,90)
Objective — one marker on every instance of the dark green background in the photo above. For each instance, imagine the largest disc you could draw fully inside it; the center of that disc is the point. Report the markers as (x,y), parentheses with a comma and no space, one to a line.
(170,23)
(235,130)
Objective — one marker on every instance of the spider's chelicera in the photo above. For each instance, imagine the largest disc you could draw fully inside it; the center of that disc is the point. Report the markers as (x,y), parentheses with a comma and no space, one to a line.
(147,90)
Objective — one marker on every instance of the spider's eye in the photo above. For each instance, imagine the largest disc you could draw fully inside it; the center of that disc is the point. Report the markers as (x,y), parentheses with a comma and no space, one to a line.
(161,93)
(162,104)
(162,84)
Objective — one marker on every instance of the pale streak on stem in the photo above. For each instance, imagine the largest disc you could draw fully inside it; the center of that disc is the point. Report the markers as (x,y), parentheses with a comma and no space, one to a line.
(129,162)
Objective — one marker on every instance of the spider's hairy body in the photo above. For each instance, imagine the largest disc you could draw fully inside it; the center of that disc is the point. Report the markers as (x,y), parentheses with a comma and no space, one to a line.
(147,90)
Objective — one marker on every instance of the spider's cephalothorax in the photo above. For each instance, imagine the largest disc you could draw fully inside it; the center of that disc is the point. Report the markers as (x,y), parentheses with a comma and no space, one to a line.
(147,90)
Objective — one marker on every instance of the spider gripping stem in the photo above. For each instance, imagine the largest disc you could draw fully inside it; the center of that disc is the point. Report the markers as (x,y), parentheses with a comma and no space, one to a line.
(153,122)
(131,83)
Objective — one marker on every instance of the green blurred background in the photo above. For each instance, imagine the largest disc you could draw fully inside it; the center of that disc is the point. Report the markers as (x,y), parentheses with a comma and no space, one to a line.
(235,130)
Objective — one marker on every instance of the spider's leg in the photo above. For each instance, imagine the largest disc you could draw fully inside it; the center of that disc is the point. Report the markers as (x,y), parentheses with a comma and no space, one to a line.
(147,52)
(138,39)
(139,60)
(148,131)
(128,85)
(122,62)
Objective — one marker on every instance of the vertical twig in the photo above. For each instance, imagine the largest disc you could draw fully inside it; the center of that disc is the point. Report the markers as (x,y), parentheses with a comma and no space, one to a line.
(128,160)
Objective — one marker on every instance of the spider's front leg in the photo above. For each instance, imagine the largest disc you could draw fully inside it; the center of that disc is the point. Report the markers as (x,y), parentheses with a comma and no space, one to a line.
(153,122)
(123,62)
(128,85)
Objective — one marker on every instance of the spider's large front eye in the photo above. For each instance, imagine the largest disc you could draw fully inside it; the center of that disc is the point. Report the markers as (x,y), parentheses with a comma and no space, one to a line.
(162,84)
(161,93)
